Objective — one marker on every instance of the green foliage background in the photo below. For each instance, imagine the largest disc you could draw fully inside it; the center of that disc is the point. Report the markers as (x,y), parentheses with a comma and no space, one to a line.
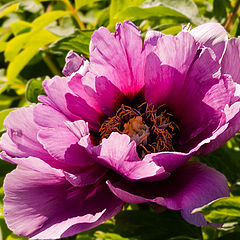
(35,36)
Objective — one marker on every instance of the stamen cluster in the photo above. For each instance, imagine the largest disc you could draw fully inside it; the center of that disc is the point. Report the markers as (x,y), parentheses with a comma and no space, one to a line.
(153,129)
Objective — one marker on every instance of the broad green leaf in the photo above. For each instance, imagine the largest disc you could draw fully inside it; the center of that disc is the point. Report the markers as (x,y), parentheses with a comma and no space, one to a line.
(46,18)
(186,7)
(120,5)
(33,90)
(222,210)
(225,160)
(11,8)
(150,226)
(20,61)
(15,45)
(81,3)
(3,115)
(219,9)
(172,30)
(12,236)
(36,41)
(20,27)
(136,13)
(108,236)
(78,42)
(5,101)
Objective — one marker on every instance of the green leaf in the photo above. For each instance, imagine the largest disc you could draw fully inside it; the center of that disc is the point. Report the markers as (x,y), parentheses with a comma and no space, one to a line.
(217,160)
(38,40)
(222,210)
(12,236)
(15,45)
(78,42)
(136,13)
(20,27)
(33,90)
(108,236)
(80,3)
(120,5)
(46,18)
(186,7)
(219,9)
(151,225)
(9,9)
(3,115)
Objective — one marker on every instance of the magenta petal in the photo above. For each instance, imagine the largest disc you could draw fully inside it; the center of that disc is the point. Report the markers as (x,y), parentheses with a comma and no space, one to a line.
(231,58)
(99,92)
(195,185)
(162,82)
(118,57)
(119,153)
(63,145)
(190,186)
(86,176)
(52,207)
(46,116)
(211,35)
(78,106)
(179,51)
(22,133)
(73,63)
(56,88)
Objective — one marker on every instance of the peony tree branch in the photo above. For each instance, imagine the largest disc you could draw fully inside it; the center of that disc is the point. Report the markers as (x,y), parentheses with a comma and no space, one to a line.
(232,16)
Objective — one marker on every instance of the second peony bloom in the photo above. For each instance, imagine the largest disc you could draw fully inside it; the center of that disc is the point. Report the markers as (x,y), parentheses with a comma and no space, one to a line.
(121,128)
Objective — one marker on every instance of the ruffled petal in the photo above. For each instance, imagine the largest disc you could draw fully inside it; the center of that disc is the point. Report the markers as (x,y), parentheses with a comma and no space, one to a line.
(22,134)
(52,206)
(63,146)
(231,59)
(46,116)
(211,35)
(179,51)
(78,106)
(73,63)
(190,186)
(118,57)
(56,88)
(119,153)
(99,92)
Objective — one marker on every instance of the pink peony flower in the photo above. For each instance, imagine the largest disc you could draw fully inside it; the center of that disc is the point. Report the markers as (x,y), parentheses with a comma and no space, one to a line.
(121,128)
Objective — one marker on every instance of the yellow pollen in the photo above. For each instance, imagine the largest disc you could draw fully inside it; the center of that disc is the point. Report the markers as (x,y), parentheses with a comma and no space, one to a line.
(136,129)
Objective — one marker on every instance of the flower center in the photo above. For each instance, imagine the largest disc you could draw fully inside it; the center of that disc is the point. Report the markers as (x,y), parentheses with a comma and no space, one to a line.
(153,129)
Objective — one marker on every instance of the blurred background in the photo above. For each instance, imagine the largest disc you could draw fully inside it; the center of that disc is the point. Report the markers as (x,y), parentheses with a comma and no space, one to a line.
(35,36)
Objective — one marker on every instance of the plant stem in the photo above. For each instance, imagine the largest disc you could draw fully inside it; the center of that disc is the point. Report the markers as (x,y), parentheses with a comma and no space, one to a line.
(47,59)
(75,14)
(232,16)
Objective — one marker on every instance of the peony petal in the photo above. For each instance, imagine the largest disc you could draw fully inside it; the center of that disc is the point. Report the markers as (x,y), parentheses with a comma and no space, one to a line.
(190,186)
(52,207)
(86,176)
(56,88)
(179,51)
(78,106)
(162,82)
(46,116)
(231,59)
(119,153)
(98,92)
(22,134)
(119,57)
(63,146)
(73,63)
(211,35)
